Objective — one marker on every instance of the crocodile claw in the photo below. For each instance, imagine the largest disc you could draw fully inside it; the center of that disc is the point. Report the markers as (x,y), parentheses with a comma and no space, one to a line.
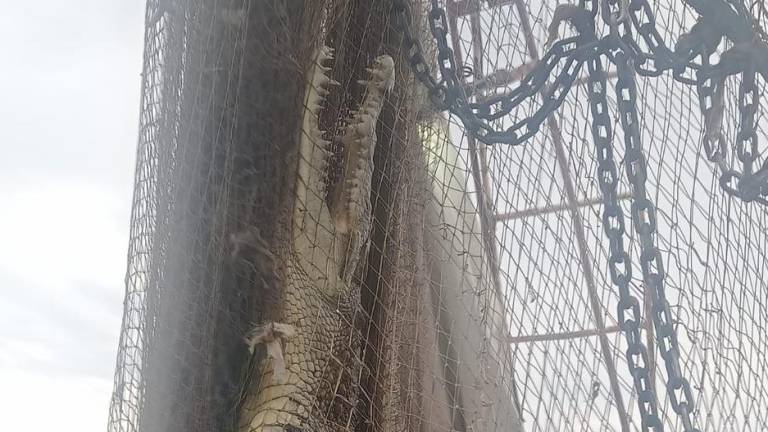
(270,335)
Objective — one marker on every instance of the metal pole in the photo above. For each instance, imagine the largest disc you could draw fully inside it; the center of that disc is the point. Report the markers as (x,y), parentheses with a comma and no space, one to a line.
(479,168)
(578,228)
(539,211)
(564,335)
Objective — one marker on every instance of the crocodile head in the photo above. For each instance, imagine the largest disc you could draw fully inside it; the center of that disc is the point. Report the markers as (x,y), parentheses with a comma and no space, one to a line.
(337,224)
(308,381)
(350,200)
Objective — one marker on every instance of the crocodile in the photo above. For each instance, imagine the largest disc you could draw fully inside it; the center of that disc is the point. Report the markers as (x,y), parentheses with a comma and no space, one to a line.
(308,378)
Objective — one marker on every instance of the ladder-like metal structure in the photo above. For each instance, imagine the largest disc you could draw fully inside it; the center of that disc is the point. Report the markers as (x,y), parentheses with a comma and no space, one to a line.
(478,152)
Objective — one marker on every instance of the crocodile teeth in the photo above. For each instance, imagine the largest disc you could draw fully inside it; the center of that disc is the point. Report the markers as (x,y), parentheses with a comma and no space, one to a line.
(317,98)
(358,143)
(326,53)
(314,151)
(361,130)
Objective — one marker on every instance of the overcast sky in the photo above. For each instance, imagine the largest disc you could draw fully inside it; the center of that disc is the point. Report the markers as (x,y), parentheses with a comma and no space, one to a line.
(69,98)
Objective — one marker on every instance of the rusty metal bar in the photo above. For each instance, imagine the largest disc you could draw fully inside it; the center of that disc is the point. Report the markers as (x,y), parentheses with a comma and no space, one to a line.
(564,335)
(555,208)
(578,228)
(497,79)
(477,65)
(462,8)
(480,173)
(482,204)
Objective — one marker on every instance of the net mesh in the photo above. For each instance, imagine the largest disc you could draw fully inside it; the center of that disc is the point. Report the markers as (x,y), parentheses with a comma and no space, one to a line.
(476,299)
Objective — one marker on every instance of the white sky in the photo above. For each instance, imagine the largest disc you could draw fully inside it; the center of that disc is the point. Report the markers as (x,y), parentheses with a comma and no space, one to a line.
(69,99)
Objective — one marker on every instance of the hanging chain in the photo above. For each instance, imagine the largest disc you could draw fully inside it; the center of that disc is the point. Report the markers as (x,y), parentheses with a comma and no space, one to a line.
(565,59)
(711,93)
(718,19)
(651,262)
(619,262)
(441,93)
(644,222)
(749,185)
(568,56)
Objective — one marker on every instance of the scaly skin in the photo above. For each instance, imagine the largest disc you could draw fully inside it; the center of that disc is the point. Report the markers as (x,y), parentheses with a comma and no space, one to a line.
(308,380)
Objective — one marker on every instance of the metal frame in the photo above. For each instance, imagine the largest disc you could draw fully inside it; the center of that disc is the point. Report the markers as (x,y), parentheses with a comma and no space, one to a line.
(481,178)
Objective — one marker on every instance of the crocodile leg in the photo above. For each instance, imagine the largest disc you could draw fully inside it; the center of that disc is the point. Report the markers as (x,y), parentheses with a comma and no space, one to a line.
(271,335)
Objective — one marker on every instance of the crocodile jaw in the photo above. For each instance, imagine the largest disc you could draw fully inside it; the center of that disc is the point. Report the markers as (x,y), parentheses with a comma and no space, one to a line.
(350,201)
(314,151)
(312,228)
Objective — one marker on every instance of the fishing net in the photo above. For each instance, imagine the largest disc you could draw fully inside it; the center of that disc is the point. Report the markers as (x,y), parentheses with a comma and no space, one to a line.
(486,299)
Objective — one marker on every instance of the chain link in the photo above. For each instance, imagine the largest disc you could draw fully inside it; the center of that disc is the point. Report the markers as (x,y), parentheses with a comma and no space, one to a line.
(480,116)
(447,93)
(711,103)
(651,262)
(572,53)
(438,91)
(568,57)
(619,262)
(746,184)
(750,186)
(718,18)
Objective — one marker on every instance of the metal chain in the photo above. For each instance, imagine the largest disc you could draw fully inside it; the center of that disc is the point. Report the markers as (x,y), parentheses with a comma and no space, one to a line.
(746,139)
(651,262)
(710,92)
(619,261)
(644,222)
(658,57)
(446,93)
(746,184)
(630,58)
(438,91)
(718,18)
(572,53)
(750,185)
(480,116)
